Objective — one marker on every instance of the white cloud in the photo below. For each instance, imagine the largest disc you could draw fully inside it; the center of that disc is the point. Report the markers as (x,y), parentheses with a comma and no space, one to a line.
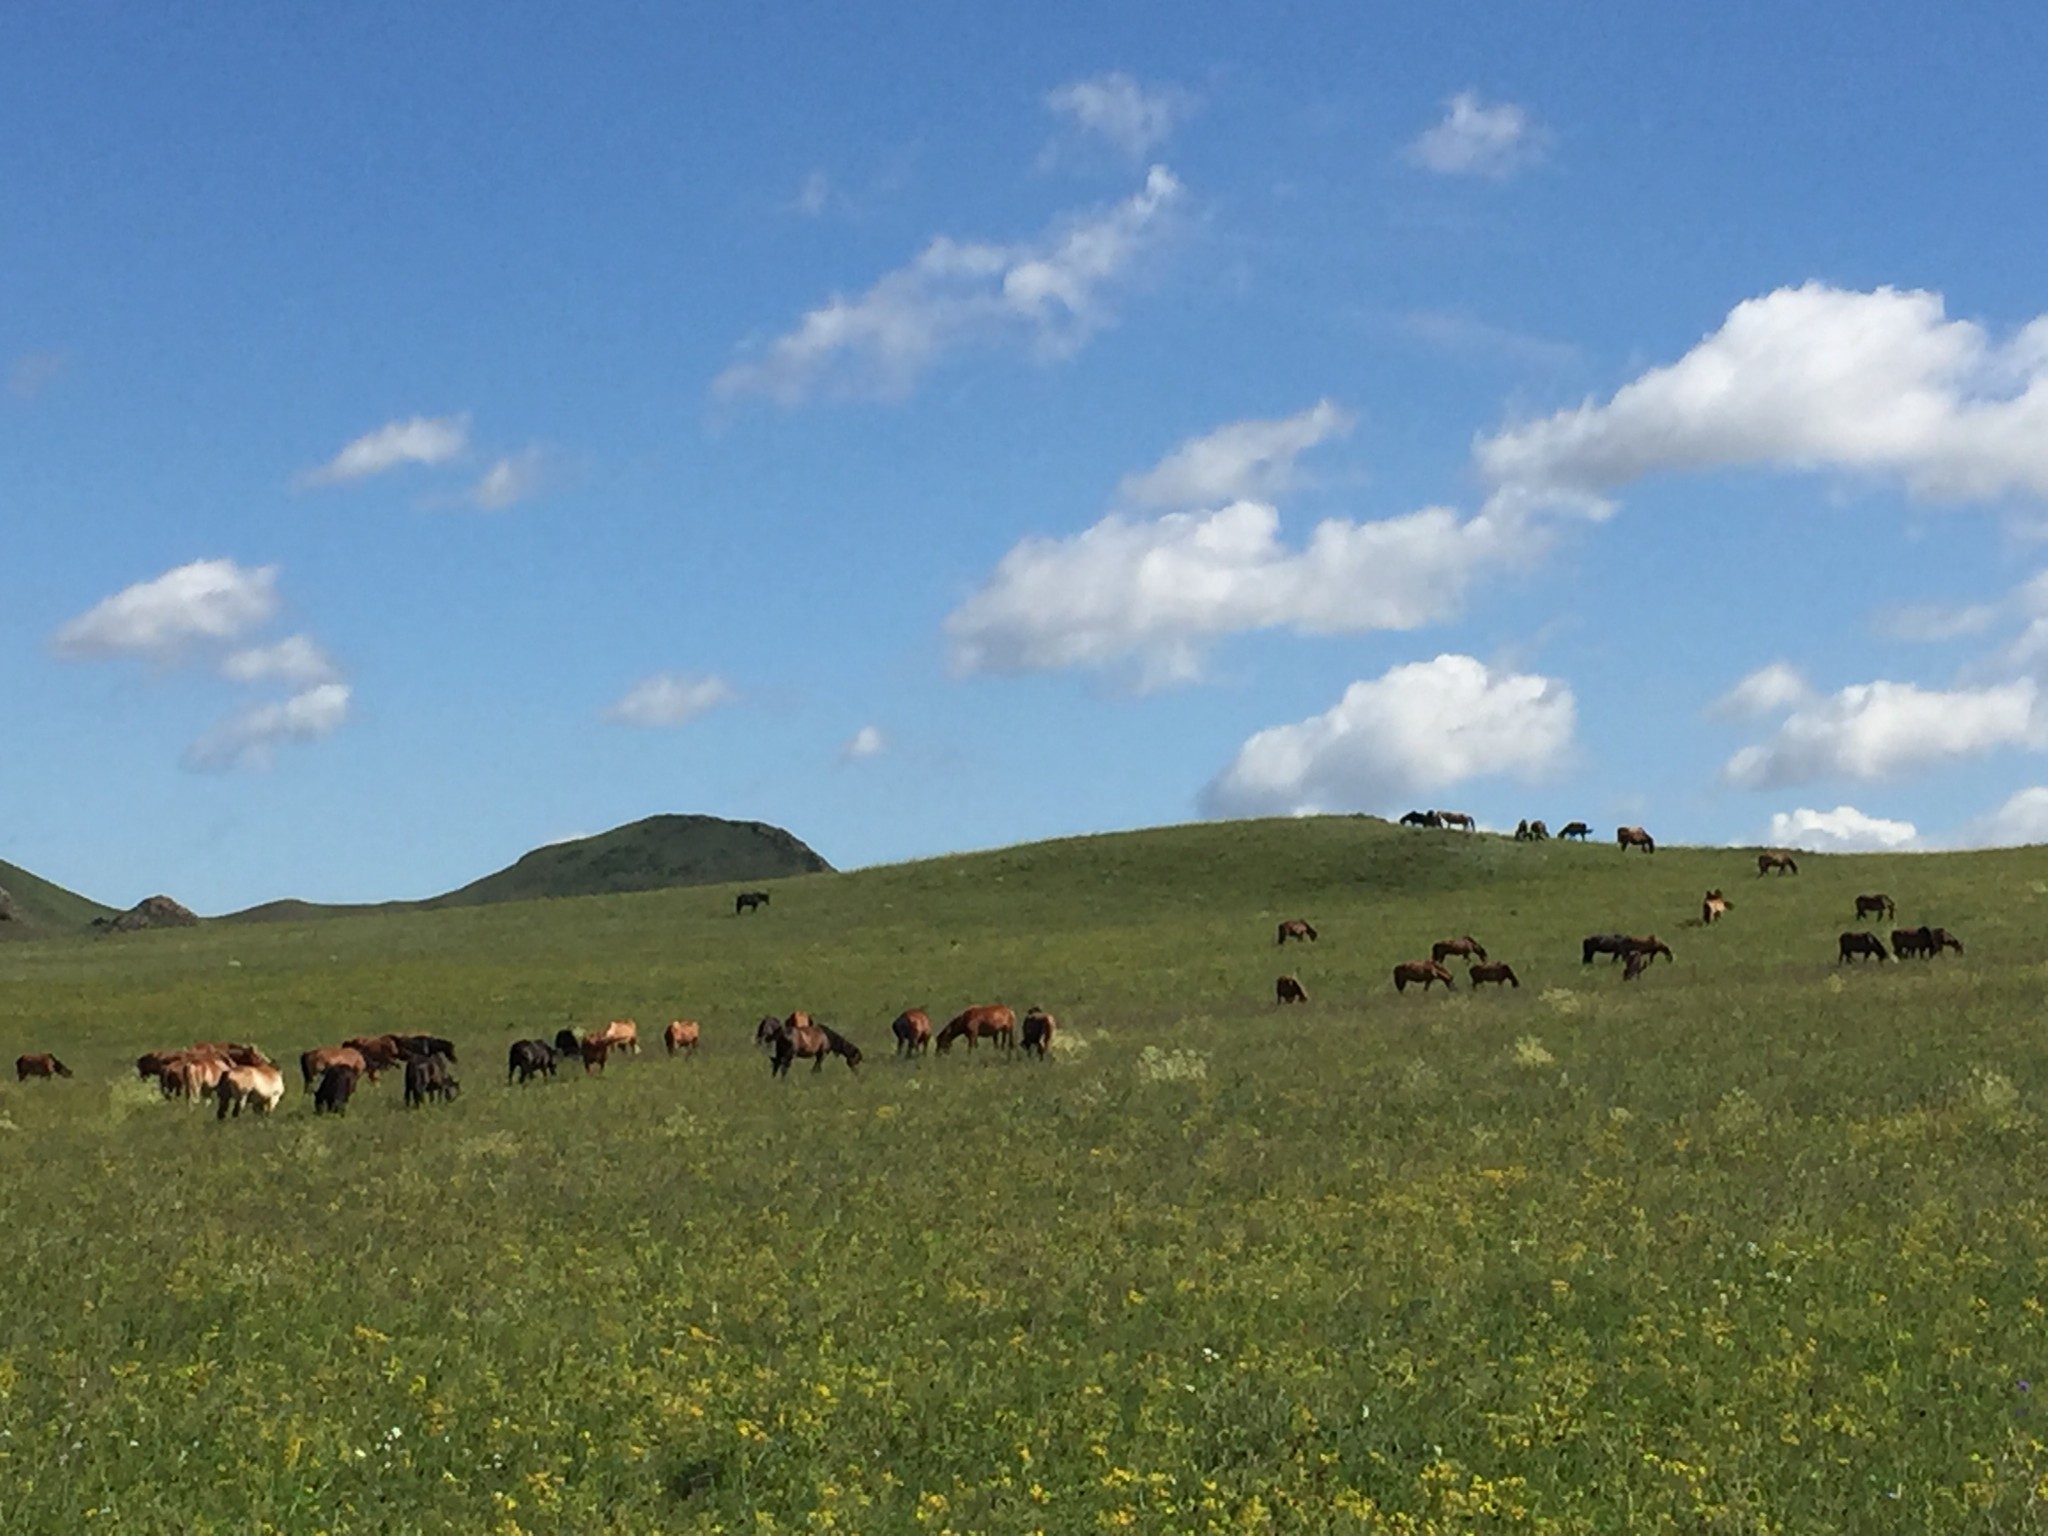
(1812,378)
(2021,821)
(248,739)
(866,742)
(1882,730)
(511,479)
(1136,119)
(1475,139)
(1842,830)
(670,698)
(1770,690)
(208,600)
(1048,293)
(422,440)
(296,660)
(1246,459)
(1159,591)
(1418,729)
(1929,622)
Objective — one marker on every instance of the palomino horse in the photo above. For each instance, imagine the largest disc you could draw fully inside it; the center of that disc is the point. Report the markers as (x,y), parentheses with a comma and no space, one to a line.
(622,1035)
(257,1088)
(1422,819)
(1634,837)
(681,1035)
(1288,990)
(913,1032)
(1465,949)
(994,1020)
(1456,819)
(1425,972)
(1853,944)
(746,901)
(1878,905)
(1576,829)
(1499,972)
(1296,928)
(1714,905)
(1038,1031)
(1783,863)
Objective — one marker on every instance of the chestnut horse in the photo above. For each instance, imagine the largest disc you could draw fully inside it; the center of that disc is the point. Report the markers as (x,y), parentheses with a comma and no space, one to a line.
(1634,837)
(313,1064)
(801,1037)
(681,1035)
(1783,863)
(1288,990)
(38,1064)
(1879,905)
(1296,928)
(1456,819)
(991,1019)
(1465,948)
(1500,973)
(913,1032)
(1427,972)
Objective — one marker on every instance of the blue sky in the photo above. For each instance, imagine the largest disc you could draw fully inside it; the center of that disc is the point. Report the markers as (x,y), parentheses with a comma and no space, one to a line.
(426,432)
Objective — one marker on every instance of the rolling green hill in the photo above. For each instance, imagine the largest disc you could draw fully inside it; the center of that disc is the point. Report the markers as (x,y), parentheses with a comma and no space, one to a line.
(39,909)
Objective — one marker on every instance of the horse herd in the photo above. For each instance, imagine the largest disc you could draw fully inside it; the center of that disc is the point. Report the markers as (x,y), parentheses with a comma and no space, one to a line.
(1527,831)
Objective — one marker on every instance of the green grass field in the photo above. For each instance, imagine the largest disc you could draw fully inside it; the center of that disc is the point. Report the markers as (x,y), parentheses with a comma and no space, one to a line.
(1756,1243)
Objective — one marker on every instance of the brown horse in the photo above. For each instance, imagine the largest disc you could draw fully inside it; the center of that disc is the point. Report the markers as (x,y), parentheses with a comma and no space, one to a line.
(1714,905)
(1422,819)
(1850,945)
(993,1020)
(1038,1031)
(681,1035)
(913,1032)
(1576,829)
(1649,946)
(801,1037)
(1465,949)
(1638,961)
(1288,990)
(1499,972)
(595,1051)
(1634,837)
(38,1064)
(1296,928)
(380,1051)
(1923,943)
(1879,905)
(1456,819)
(1426,972)
(1783,863)
(314,1063)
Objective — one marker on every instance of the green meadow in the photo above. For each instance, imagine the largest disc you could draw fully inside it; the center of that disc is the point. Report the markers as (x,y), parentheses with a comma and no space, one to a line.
(1757,1243)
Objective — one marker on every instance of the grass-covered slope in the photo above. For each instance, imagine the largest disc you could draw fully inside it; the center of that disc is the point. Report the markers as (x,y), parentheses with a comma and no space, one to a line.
(40,909)
(1752,1243)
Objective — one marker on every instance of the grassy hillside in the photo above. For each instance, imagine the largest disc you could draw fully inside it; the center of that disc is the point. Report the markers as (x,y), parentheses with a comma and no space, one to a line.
(1753,1243)
(41,909)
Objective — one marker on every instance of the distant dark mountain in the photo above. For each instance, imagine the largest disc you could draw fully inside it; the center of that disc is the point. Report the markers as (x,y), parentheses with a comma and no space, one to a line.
(650,855)
(32,908)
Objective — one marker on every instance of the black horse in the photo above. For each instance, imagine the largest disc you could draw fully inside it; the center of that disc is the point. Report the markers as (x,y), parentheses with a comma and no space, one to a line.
(1422,819)
(337,1086)
(1576,829)
(1613,945)
(746,901)
(428,1077)
(528,1059)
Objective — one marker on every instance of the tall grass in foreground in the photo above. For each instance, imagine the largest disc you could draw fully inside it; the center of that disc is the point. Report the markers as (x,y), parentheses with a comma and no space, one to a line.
(1756,1243)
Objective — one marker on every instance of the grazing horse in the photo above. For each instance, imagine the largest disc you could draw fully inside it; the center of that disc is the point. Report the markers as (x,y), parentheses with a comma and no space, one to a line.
(191,1075)
(913,1032)
(337,1087)
(1638,961)
(1296,928)
(621,1035)
(1612,945)
(1634,837)
(1531,832)
(152,1063)
(1923,943)
(1714,905)
(315,1062)
(1648,946)
(1422,819)
(38,1064)
(1456,819)
(1288,990)
(991,1019)
(1038,1031)
(1943,939)
(681,1035)
(801,1037)
(426,1045)
(528,1059)
(1427,972)
(595,1053)
(428,1077)
(380,1051)
(1499,972)
(1465,948)
(1783,863)
(746,901)
(261,1088)
(1576,829)
(566,1043)
(1879,905)
(1850,945)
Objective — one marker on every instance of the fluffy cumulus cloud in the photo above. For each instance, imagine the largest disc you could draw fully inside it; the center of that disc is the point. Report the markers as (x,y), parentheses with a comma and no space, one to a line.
(206,601)
(670,699)
(1812,378)
(421,440)
(1135,119)
(1050,294)
(1477,139)
(1155,593)
(1883,730)
(2021,821)
(1416,730)
(1842,830)
(508,480)
(866,742)
(249,738)
(1770,690)
(1246,459)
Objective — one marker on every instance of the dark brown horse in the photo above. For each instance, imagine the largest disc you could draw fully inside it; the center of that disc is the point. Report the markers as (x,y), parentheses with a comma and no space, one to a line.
(1289,990)
(1424,972)
(1634,837)
(1783,863)
(1038,1032)
(802,1037)
(1879,905)
(913,1032)
(1422,819)
(1465,948)
(1649,946)
(747,901)
(1638,962)
(1499,972)
(1456,819)
(1853,944)
(992,1020)
(38,1064)
(1296,928)
(1576,829)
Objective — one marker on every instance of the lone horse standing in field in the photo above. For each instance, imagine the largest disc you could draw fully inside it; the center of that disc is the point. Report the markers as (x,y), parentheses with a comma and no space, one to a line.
(1783,863)
(746,901)
(1296,928)
(1634,837)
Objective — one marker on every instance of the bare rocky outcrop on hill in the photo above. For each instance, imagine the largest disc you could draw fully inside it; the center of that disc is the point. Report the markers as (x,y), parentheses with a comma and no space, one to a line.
(150,912)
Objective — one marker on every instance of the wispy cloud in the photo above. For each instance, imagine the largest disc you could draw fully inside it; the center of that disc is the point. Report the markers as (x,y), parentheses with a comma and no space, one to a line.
(208,600)
(1134,119)
(511,479)
(248,738)
(1770,690)
(1050,294)
(296,659)
(866,742)
(1243,459)
(420,440)
(1450,330)
(1477,139)
(669,699)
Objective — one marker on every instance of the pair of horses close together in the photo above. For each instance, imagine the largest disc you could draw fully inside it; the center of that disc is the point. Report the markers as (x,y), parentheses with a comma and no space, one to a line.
(1458,819)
